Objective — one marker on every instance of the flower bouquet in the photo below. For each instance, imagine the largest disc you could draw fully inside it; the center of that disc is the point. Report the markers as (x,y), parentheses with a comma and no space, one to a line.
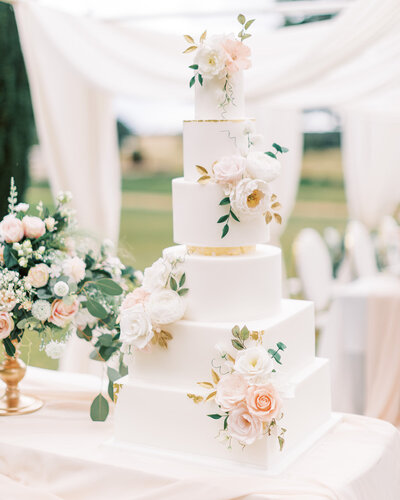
(54,283)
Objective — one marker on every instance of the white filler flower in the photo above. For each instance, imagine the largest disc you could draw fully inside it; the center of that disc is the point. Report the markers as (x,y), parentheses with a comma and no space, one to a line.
(41,310)
(55,349)
(61,288)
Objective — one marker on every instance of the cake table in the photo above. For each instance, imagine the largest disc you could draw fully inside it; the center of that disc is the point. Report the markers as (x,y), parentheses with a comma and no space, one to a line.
(58,453)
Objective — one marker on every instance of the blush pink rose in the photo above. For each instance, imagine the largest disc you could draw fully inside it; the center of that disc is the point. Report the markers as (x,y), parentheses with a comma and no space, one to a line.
(62,313)
(34,227)
(11,229)
(237,56)
(6,324)
(74,268)
(244,426)
(38,275)
(231,390)
(229,169)
(138,296)
(263,402)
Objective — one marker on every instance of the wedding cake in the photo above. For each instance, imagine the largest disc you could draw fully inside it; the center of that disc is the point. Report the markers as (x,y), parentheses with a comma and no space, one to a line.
(219,364)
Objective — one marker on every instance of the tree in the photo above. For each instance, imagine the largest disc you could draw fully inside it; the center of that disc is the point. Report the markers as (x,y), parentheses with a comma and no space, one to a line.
(17,131)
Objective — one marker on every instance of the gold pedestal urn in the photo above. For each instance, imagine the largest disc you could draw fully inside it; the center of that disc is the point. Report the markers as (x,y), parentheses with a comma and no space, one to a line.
(12,371)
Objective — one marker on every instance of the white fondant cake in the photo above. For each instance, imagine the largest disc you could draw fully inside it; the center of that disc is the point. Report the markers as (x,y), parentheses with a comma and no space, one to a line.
(232,278)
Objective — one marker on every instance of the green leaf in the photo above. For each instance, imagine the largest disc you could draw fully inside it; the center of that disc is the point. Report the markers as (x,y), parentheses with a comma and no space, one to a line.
(183,291)
(192,81)
(277,147)
(272,155)
(105,340)
(99,409)
(234,216)
(113,374)
(236,331)
(200,79)
(182,280)
(223,218)
(281,442)
(108,286)
(215,416)
(281,346)
(194,66)
(248,24)
(244,334)
(10,260)
(9,347)
(95,355)
(241,18)
(225,231)
(225,201)
(96,309)
(110,390)
(173,284)
(237,345)
(226,423)
(247,35)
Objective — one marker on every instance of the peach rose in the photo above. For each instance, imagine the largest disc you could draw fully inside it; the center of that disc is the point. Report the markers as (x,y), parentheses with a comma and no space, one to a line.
(244,426)
(6,324)
(263,402)
(237,55)
(38,275)
(231,390)
(62,313)
(11,229)
(34,227)
(138,296)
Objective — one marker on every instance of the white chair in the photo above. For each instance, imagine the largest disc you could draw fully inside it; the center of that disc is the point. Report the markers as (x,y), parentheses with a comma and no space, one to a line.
(314,268)
(360,250)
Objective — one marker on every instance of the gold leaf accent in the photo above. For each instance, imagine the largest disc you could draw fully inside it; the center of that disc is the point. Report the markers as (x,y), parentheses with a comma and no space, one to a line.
(188,38)
(211,396)
(207,385)
(254,335)
(278,218)
(276,205)
(203,36)
(218,251)
(190,49)
(202,170)
(268,217)
(194,398)
(116,388)
(232,359)
(161,338)
(273,197)
(215,376)
(204,179)
(254,198)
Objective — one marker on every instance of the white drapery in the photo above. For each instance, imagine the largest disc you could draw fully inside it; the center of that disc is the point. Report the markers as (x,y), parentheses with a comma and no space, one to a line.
(76,64)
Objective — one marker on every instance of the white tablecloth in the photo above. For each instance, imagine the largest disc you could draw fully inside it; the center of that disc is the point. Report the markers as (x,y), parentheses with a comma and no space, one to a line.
(58,453)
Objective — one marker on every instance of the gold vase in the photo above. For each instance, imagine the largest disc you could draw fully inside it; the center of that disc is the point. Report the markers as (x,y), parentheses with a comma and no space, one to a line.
(12,371)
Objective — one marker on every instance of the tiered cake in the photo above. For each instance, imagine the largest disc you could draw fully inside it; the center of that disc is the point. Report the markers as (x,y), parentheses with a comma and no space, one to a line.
(233,278)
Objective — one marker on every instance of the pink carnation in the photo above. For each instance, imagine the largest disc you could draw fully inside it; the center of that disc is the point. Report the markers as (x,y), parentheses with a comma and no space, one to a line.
(237,56)
(138,296)
(263,402)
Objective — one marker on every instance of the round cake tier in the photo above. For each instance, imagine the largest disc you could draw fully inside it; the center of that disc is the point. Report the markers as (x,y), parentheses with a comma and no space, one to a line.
(211,100)
(230,288)
(207,141)
(196,210)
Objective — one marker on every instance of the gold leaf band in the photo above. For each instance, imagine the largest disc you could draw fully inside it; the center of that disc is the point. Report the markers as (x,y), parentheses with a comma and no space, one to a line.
(220,251)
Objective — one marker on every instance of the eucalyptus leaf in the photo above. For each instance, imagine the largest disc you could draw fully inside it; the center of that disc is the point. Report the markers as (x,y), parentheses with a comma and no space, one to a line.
(225,231)
(96,309)
(248,24)
(244,333)
(95,356)
(110,390)
(237,345)
(113,374)
(10,260)
(9,347)
(241,18)
(245,36)
(281,346)
(108,286)
(105,340)
(99,409)
(236,331)
(215,416)
(183,291)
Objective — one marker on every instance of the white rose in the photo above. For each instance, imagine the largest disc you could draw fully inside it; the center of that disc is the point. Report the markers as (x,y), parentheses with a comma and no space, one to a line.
(211,58)
(262,166)
(250,197)
(156,276)
(136,327)
(229,169)
(74,268)
(254,364)
(165,306)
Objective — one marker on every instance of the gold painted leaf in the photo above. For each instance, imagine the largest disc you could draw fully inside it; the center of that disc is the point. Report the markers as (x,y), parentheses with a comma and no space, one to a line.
(215,376)
(203,36)
(273,197)
(276,205)
(278,218)
(162,343)
(231,358)
(194,398)
(268,217)
(188,38)
(211,396)
(190,49)
(204,179)
(202,170)
(207,385)
(254,335)
(166,335)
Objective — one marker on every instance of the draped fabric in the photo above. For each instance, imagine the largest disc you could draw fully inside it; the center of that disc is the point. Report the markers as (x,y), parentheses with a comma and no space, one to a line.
(76,64)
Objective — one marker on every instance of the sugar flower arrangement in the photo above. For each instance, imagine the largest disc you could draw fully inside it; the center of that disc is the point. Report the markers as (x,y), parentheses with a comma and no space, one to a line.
(54,283)
(245,390)
(245,179)
(159,301)
(220,57)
